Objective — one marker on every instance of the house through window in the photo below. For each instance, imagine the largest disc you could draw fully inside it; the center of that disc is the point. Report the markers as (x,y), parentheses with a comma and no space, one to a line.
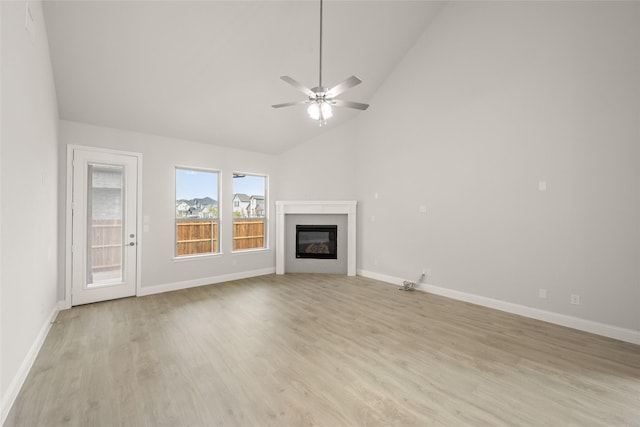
(197,218)
(249,211)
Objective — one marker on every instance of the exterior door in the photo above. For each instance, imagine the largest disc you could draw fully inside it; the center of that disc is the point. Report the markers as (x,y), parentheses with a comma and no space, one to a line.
(104,223)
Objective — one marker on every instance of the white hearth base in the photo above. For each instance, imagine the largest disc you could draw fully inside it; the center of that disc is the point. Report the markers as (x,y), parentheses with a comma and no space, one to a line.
(316,208)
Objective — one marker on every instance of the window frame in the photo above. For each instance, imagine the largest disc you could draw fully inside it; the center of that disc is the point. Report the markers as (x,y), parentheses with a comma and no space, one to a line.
(215,221)
(265,218)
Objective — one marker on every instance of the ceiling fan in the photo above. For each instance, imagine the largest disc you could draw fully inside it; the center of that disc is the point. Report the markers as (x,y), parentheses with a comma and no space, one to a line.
(322,99)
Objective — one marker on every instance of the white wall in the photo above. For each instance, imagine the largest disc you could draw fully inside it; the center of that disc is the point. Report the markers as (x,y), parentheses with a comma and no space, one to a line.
(160,156)
(492,99)
(28,194)
(322,168)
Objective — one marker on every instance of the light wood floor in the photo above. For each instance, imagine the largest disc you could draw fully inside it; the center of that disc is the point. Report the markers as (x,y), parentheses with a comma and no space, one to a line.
(303,350)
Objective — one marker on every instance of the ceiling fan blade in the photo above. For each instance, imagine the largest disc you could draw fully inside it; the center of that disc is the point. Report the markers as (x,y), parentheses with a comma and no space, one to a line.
(349,82)
(288,104)
(349,104)
(298,86)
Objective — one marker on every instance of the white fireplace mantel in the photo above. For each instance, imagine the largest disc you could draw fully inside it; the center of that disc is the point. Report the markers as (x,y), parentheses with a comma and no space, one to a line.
(340,207)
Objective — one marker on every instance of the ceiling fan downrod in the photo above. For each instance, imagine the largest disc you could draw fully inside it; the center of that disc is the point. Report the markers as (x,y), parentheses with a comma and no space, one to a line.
(320,71)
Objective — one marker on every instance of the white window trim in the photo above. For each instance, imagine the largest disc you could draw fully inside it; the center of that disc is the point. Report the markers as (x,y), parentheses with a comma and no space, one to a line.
(267,213)
(218,219)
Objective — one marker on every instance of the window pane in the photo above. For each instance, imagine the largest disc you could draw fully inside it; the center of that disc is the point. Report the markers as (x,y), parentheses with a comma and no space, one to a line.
(249,211)
(196,212)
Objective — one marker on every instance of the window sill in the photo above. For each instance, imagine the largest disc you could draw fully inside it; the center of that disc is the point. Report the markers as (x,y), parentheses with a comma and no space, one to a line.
(196,257)
(249,251)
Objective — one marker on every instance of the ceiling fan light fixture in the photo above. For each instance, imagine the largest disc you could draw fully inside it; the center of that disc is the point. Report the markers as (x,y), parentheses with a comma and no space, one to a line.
(320,110)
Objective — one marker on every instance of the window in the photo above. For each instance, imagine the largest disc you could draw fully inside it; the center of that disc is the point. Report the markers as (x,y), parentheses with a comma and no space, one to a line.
(249,211)
(197,218)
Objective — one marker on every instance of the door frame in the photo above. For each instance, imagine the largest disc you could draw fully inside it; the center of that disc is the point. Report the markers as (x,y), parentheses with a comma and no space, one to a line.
(68,273)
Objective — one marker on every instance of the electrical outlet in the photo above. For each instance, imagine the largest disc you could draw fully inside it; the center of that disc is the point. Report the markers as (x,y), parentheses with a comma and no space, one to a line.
(542,293)
(575,299)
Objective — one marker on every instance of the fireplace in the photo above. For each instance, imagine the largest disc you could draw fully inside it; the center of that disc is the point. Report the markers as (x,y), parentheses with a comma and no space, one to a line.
(317,241)
(298,212)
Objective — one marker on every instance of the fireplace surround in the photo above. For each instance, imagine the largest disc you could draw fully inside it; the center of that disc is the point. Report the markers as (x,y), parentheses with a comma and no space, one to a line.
(341,207)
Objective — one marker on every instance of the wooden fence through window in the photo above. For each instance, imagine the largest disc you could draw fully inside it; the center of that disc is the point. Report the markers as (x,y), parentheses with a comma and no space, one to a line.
(196,236)
(105,242)
(248,233)
(193,236)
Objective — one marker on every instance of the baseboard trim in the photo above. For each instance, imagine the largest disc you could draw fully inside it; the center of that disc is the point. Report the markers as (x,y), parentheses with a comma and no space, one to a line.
(609,331)
(176,286)
(18,380)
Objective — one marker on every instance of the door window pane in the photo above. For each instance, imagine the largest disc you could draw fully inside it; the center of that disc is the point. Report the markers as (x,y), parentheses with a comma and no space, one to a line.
(104,223)
(196,212)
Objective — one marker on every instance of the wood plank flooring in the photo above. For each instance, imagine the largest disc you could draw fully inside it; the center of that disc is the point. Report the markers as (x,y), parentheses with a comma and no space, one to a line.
(321,350)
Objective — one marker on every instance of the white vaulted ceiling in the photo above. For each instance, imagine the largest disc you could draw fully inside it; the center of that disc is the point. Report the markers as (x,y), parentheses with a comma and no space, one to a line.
(208,71)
